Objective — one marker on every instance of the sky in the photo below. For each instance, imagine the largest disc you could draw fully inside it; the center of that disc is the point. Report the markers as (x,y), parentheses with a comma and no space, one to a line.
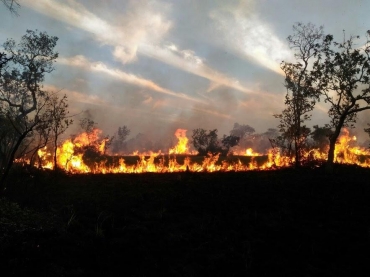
(159,65)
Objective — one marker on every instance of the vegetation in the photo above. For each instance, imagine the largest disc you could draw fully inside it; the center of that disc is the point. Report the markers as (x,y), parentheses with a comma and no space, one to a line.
(23,103)
(323,66)
(301,94)
(208,142)
(343,68)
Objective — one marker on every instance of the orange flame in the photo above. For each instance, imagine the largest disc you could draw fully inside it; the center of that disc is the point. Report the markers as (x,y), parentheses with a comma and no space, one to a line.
(70,157)
(182,144)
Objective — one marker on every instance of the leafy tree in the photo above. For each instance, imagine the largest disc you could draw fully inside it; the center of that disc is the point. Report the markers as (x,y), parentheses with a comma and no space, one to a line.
(228,142)
(206,141)
(342,73)
(301,95)
(241,130)
(22,101)
(244,132)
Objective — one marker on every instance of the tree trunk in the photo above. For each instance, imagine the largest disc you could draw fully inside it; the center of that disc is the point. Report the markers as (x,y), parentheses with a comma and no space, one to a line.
(330,161)
(11,161)
(55,153)
(297,152)
(332,141)
(297,146)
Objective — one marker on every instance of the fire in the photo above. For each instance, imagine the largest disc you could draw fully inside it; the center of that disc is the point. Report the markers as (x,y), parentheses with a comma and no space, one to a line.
(250,152)
(86,154)
(182,145)
(346,152)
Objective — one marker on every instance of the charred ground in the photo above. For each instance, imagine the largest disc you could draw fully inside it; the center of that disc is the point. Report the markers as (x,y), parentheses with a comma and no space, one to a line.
(262,223)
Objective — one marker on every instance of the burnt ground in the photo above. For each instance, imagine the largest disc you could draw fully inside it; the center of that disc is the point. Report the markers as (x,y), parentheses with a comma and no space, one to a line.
(272,223)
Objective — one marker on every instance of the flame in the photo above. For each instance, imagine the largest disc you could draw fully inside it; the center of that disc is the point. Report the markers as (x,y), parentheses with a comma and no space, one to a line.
(250,152)
(72,156)
(182,144)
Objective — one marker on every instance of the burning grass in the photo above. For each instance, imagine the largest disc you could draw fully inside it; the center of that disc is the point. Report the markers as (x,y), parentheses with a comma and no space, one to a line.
(86,153)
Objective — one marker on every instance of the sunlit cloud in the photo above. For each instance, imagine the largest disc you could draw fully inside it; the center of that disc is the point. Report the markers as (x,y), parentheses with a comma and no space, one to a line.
(141,31)
(136,26)
(83,62)
(187,61)
(246,35)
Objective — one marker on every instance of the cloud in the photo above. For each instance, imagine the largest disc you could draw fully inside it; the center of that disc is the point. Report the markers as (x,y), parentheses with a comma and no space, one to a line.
(82,62)
(188,61)
(140,30)
(140,24)
(246,35)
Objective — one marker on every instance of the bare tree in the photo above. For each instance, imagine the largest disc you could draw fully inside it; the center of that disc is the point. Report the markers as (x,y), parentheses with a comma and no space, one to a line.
(88,126)
(11,5)
(342,73)
(301,95)
(118,140)
(58,120)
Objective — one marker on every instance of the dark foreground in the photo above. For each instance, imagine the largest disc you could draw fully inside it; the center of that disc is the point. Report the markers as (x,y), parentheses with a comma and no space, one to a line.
(277,223)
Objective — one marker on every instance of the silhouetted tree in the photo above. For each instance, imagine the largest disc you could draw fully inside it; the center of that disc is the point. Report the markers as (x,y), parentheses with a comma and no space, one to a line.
(228,142)
(342,73)
(118,143)
(22,101)
(206,141)
(57,111)
(301,95)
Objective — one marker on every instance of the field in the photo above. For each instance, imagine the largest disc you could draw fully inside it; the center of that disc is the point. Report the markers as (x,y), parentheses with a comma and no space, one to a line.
(259,223)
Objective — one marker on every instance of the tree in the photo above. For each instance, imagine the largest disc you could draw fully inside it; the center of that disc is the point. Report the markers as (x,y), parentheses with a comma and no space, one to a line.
(87,125)
(228,142)
(22,101)
(342,74)
(301,95)
(241,130)
(205,141)
(58,122)
(119,138)
(11,5)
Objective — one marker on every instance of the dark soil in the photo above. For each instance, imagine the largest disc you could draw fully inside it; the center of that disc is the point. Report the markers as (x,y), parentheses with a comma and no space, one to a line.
(269,223)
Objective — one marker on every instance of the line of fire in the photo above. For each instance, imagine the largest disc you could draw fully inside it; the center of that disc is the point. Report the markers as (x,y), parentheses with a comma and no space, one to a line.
(86,154)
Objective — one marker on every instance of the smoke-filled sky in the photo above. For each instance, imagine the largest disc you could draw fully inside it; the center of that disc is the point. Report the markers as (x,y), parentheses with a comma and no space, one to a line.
(159,65)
